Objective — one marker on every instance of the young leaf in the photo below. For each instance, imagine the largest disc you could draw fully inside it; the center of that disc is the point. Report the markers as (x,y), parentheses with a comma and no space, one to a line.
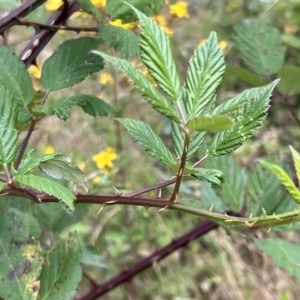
(60,167)
(156,55)
(260,46)
(120,39)
(49,187)
(145,137)
(211,123)
(196,140)
(233,104)
(20,256)
(284,178)
(284,254)
(62,273)
(71,63)
(15,77)
(248,118)
(92,105)
(88,7)
(204,75)
(213,176)
(289,82)
(296,158)
(117,9)
(234,187)
(8,134)
(141,83)
(29,163)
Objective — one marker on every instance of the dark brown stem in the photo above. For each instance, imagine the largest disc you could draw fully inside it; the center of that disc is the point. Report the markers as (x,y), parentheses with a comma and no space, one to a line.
(152,188)
(126,275)
(20,12)
(25,143)
(25,22)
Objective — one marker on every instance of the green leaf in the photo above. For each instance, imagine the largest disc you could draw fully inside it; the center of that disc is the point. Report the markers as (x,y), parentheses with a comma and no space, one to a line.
(296,158)
(204,75)
(55,217)
(2,186)
(71,63)
(156,55)
(120,39)
(210,199)
(62,272)
(284,178)
(117,9)
(146,137)
(29,163)
(248,118)
(236,102)
(213,176)
(92,105)
(88,7)
(234,187)
(265,194)
(20,256)
(49,187)
(290,80)
(196,141)
(212,123)
(8,134)
(244,74)
(60,167)
(260,46)
(291,40)
(286,255)
(15,77)
(141,83)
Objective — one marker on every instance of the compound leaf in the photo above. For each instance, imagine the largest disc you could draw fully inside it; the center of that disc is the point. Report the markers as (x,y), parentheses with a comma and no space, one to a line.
(141,83)
(8,134)
(211,123)
(15,77)
(47,186)
(248,118)
(60,167)
(156,55)
(146,137)
(260,46)
(71,63)
(284,254)
(204,75)
(120,39)
(62,271)
(213,176)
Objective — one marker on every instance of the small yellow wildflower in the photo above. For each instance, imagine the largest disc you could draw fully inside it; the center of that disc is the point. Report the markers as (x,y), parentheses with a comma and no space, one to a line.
(53,4)
(99,3)
(119,23)
(34,72)
(104,159)
(96,179)
(48,149)
(179,9)
(106,78)
(161,21)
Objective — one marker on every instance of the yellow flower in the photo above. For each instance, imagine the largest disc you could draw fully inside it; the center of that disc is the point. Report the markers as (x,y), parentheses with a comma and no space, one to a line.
(48,149)
(179,9)
(106,78)
(99,3)
(119,23)
(34,72)
(53,4)
(104,159)
(161,21)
